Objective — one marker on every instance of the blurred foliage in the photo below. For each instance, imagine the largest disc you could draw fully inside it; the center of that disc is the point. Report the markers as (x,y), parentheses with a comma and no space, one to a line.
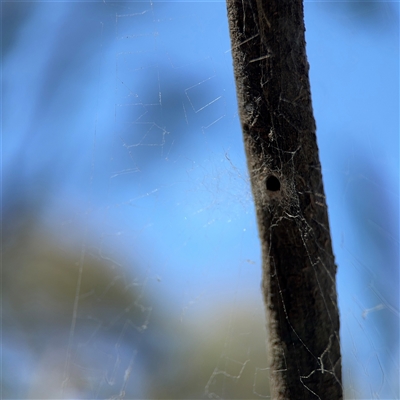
(121,343)
(69,310)
(74,319)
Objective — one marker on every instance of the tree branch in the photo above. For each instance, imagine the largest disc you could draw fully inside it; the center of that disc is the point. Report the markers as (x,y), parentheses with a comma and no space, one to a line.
(299,287)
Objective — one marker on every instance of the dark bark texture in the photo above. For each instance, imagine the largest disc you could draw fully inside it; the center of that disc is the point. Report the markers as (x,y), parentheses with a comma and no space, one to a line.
(299,283)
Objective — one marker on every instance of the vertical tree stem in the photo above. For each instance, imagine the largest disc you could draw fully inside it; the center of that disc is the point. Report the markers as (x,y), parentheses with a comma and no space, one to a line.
(299,284)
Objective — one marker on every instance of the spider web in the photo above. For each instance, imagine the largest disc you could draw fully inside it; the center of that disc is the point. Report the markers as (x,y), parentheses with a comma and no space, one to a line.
(131,260)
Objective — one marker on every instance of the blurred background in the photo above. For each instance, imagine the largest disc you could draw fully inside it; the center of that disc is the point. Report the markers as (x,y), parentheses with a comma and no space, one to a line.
(131,260)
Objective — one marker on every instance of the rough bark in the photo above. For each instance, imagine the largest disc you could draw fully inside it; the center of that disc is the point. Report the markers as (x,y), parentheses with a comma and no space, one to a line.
(299,284)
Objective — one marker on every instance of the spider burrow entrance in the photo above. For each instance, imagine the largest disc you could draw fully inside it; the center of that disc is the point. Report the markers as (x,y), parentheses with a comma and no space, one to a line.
(273,184)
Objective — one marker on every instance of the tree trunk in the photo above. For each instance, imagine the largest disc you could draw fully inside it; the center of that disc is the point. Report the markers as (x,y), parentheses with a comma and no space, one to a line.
(299,286)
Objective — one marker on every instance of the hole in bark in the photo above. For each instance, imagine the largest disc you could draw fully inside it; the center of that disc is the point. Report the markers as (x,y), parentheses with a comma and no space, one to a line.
(273,184)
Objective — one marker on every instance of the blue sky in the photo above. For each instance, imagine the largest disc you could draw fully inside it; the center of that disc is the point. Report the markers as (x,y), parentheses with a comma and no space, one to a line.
(120,121)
